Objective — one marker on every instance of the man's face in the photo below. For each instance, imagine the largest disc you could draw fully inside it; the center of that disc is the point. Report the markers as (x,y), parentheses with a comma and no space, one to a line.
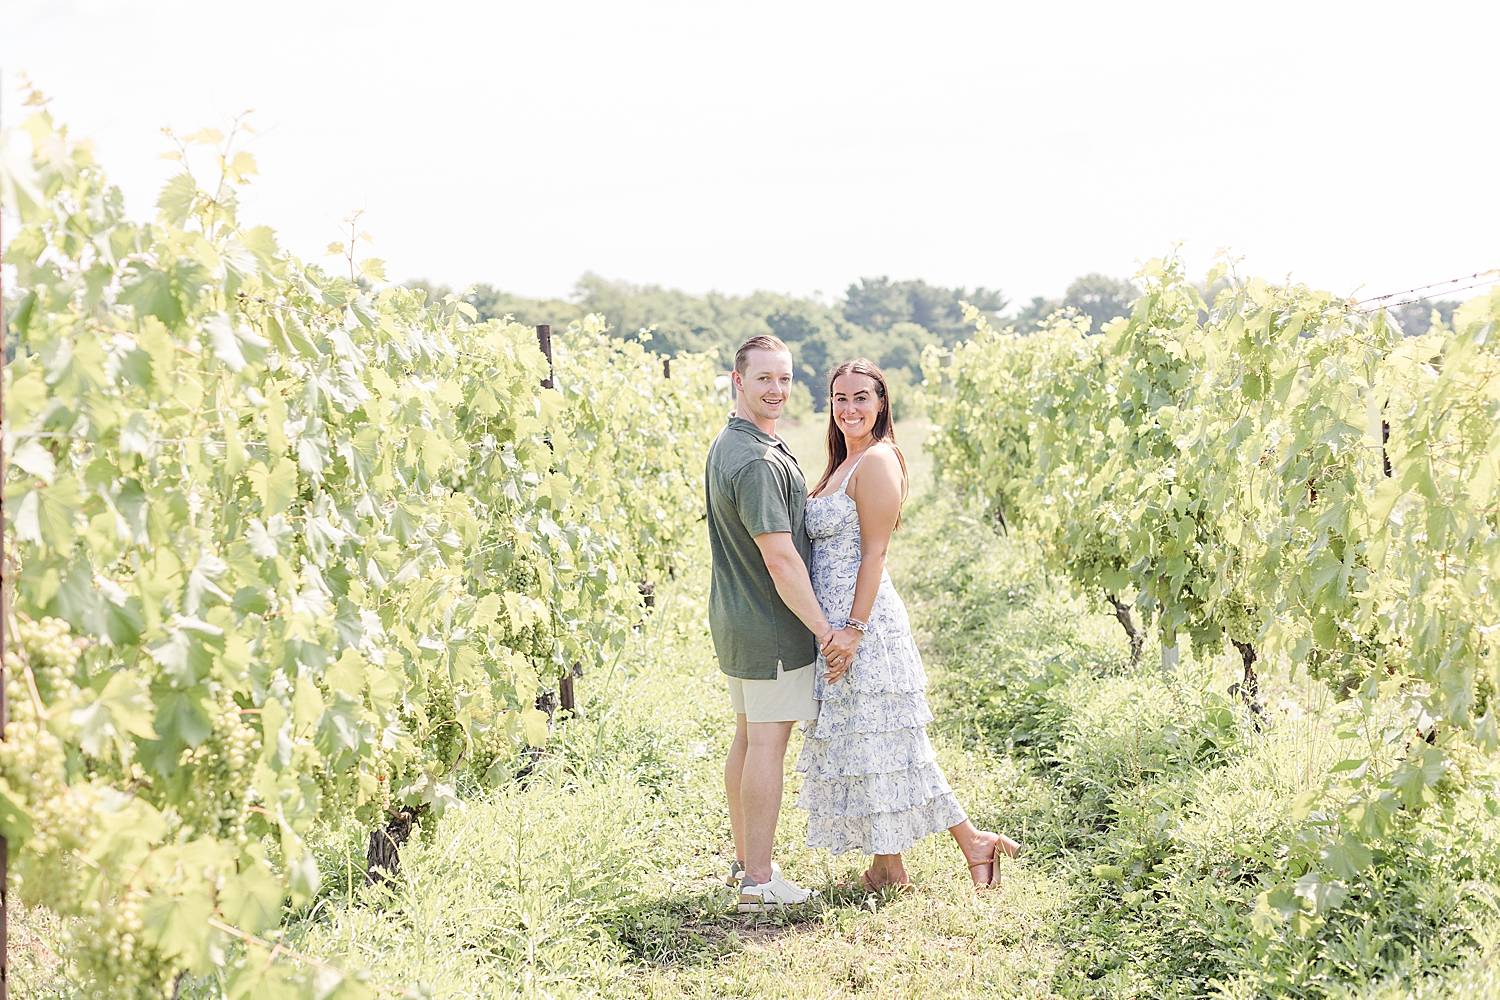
(766,383)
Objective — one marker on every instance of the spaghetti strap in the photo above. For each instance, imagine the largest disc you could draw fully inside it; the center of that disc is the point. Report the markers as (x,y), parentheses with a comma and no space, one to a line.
(845,484)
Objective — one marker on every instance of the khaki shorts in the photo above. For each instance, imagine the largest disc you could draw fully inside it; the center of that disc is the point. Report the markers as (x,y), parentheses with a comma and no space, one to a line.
(788,698)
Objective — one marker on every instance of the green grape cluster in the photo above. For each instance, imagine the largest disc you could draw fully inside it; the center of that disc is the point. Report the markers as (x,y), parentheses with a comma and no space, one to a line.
(491,747)
(517,576)
(33,762)
(218,769)
(102,924)
(33,768)
(444,735)
(384,766)
(1243,622)
(51,655)
(104,944)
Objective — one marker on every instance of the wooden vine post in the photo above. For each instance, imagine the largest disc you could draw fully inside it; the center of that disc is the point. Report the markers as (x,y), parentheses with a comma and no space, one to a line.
(544,341)
(4,708)
(648,587)
(565,682)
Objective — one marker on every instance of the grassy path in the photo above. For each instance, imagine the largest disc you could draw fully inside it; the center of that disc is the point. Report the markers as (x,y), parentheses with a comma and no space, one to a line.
(601,875)
(941,940)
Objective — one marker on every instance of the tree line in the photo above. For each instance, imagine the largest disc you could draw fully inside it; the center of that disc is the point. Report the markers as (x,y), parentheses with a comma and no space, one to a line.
(890,322)
(887,321)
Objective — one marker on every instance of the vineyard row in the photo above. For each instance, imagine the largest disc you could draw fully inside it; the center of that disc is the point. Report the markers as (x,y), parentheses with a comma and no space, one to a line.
(287,551)
(1274,468)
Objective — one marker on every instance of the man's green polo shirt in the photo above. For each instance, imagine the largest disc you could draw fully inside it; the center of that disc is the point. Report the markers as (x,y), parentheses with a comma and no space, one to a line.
(754,487)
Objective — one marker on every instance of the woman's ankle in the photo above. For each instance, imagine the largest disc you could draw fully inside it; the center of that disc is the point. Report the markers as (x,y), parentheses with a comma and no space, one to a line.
(886,869)
(973,842)
(968,836)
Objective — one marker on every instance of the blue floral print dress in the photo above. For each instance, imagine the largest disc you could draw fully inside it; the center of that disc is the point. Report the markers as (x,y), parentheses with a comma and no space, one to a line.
(872,781)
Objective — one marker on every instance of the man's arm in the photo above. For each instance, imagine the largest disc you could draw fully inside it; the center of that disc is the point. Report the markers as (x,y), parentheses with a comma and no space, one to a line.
(789,573)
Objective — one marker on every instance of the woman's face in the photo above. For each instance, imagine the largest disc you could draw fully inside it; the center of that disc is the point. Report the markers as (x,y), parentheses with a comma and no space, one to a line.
(855,404)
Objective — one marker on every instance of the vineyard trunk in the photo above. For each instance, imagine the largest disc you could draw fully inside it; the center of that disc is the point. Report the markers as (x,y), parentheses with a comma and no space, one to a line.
(383,857)
(1249,688)
(1137,638)
(547,702)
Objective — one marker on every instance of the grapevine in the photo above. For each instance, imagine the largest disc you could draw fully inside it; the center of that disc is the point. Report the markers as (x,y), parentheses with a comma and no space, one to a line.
(1276,467)
(289,550)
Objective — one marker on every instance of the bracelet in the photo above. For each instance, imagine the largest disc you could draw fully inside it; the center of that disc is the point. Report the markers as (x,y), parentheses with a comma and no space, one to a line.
(856,624)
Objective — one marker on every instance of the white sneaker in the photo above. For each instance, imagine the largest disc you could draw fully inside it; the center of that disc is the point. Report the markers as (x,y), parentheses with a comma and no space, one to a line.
(772,895)
(737,872)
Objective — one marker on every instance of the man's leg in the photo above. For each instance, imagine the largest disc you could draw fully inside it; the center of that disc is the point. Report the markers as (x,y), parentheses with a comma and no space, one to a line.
(760,793)
(734,769)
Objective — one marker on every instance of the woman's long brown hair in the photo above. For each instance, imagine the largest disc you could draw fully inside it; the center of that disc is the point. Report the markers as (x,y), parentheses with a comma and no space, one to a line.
(884,429)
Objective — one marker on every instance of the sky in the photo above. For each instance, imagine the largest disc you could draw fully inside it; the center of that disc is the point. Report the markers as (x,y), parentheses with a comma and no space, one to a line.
(796,147)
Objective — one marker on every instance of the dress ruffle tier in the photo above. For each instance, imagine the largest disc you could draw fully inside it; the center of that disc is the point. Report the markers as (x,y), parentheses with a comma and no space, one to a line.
(871,778)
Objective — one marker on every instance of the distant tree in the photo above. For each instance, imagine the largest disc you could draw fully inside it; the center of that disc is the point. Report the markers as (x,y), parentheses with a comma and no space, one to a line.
(940,311)
(491,303)
(1034,315)
(797,321)
(1100,297)
(683,322)
(435,292)
(888,321)
(739,318)
(878,304)
(819,338)
(815,343)
(901,348)
(1415,318)
(1094,295)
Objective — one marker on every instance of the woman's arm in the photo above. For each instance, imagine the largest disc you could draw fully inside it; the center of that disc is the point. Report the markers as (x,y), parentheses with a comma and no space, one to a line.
(877,497)
(876,489)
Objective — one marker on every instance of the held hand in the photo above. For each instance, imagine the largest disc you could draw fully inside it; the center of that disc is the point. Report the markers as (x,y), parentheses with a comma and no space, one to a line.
(839,653)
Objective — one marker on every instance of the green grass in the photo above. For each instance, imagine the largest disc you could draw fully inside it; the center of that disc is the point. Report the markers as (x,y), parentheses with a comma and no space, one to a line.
(602,874)
(1153,811)
(1137,796)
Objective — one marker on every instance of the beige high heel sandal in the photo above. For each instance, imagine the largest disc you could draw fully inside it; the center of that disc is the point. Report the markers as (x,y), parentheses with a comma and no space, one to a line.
(1011,849)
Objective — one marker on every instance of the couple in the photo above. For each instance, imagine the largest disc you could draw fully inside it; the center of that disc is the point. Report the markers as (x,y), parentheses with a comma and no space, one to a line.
(808,628)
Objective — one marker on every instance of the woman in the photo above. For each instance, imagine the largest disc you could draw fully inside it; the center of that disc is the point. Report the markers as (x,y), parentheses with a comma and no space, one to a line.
(872,779)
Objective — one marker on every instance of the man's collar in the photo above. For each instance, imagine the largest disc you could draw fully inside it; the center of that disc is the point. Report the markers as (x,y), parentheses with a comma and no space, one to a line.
(739,423)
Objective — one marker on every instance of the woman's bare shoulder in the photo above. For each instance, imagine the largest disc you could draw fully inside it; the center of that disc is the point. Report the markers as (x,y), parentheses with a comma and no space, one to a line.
(882,455)
(880,463)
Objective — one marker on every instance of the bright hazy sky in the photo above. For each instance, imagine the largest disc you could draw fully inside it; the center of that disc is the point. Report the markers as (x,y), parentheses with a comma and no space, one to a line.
(798,146)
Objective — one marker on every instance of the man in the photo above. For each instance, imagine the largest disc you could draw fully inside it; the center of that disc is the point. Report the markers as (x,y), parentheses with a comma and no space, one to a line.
(767,626)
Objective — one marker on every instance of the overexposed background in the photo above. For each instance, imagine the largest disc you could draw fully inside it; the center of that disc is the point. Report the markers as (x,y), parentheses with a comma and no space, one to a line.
(798,146)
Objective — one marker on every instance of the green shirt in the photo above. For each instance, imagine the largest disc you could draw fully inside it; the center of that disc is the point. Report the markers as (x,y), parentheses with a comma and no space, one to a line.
(754,487)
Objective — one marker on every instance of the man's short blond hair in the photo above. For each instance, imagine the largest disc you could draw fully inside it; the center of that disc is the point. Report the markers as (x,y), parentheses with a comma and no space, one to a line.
(762,342)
